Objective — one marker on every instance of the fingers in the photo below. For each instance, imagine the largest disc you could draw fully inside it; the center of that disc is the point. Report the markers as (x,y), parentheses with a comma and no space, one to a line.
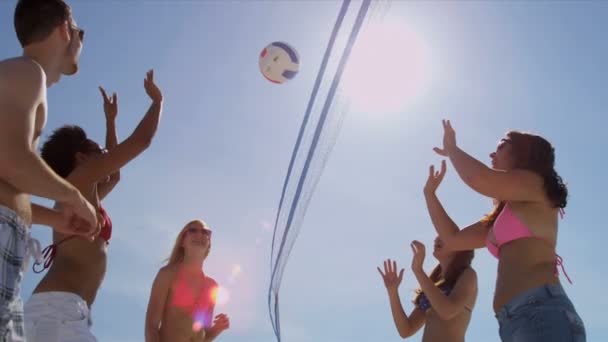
(89,215)
(401,275)
(103,94)
(447,126)
(440,151)
(90,232)
(438,175)
(106,98)
(380,271)
(81,227)
(431,171)
(76,224)
(149,78)
(418,247)
(91,235)
(222,321)
(390,268)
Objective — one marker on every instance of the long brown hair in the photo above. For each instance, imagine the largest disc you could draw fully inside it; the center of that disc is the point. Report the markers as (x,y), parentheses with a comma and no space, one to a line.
(178,252)
(460,262)
(534,153)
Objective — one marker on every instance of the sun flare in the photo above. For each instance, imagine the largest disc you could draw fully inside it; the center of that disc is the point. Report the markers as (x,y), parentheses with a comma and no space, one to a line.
(387,68)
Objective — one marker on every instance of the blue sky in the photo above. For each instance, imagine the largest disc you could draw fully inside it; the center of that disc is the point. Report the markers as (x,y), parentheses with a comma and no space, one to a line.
(227,134)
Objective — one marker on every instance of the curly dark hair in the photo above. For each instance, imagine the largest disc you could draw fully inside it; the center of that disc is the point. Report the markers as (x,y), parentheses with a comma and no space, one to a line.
(534,153)
(59,151)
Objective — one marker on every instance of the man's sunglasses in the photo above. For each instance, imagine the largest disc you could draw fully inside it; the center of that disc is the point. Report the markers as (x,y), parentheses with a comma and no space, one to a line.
(79,31)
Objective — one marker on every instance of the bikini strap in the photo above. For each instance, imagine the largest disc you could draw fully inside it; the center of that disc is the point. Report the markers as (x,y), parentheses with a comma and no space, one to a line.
(560,262)
(49,253)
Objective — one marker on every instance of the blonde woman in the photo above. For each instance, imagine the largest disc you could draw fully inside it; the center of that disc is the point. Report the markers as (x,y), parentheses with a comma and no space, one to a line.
(182,299)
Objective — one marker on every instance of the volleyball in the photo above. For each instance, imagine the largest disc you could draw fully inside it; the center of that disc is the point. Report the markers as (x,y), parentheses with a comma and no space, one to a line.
(279,62)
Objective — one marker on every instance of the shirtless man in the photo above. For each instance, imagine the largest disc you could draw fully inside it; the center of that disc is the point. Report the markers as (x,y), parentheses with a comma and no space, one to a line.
(51,47)
(182,299)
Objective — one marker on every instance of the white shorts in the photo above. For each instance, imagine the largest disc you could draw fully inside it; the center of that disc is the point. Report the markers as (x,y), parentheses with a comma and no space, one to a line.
(57,317)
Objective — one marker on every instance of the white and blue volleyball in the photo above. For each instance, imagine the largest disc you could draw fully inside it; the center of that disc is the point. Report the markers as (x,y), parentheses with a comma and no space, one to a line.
(279,62)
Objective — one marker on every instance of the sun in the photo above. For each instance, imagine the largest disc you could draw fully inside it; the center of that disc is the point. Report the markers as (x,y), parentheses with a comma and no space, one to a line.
(387,68)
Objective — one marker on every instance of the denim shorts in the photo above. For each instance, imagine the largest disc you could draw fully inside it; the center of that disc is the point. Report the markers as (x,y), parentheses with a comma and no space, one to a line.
(541,314)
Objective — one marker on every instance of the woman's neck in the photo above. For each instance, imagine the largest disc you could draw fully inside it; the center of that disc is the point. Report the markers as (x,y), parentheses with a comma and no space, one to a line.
(444,263)
(193,263)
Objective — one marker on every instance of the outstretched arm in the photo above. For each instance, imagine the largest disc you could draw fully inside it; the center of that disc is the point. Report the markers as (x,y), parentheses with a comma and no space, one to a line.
(406,326)
(110,108)
(512,185)
(468,238)
(104,165)
(446,306)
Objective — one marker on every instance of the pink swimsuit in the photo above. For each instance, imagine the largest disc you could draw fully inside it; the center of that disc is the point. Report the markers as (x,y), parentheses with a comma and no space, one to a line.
(507,228)
(200,303)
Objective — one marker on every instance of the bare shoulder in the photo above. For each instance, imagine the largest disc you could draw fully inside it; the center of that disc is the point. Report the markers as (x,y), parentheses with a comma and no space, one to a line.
(211,281)
(21,70)
(168,271)
(470,272)
(21,80)
(468,277)
(166,274)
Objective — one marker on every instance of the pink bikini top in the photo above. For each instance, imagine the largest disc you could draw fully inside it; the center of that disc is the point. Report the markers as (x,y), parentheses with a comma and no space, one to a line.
(507,228)
(200,304)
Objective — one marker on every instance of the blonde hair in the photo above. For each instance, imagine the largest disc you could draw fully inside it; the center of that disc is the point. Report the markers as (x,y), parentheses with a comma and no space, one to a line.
(178,252)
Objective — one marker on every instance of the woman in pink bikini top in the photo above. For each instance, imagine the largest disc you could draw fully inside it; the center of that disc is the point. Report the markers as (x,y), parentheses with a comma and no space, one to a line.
(521,232)
(183,297)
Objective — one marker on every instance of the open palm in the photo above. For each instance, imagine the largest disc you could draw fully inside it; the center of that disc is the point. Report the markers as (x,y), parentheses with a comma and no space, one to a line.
(392,280)
(449,139)
(435,178)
